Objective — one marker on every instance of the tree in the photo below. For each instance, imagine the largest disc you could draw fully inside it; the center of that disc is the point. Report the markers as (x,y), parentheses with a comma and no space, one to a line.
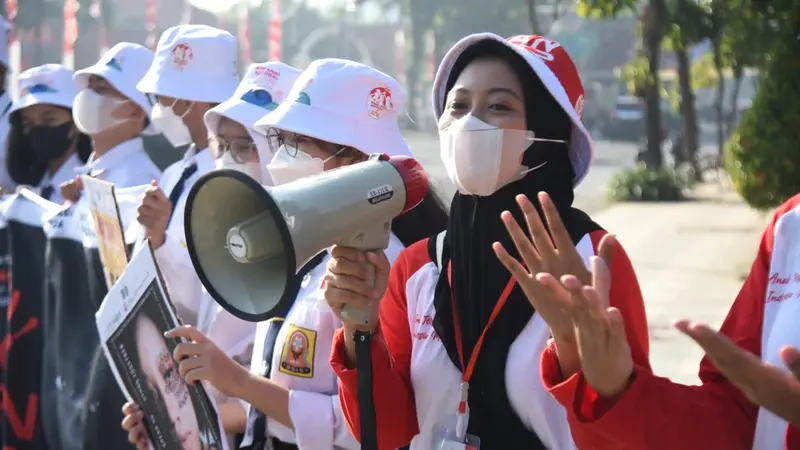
(761,156)
(653,29)
(690,25)
(746,43)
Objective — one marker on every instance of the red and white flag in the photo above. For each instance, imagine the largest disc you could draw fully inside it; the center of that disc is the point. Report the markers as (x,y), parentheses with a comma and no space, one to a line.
(275,31)
(70,32)
(14,50)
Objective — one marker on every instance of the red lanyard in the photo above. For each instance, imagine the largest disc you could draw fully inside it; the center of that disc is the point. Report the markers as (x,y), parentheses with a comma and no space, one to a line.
(469,368)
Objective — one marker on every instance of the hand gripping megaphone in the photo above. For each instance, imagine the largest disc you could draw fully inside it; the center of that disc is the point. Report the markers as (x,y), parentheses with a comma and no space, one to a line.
(247,242)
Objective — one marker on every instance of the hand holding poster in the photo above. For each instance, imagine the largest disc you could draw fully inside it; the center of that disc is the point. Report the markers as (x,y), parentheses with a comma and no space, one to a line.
(131,322)
(108,226)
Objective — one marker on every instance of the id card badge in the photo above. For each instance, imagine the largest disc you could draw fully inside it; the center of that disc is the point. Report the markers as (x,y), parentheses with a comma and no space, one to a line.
(451,442)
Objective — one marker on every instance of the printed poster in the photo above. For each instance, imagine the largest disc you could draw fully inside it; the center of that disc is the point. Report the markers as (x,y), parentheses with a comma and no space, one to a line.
(131,322)
(108,226)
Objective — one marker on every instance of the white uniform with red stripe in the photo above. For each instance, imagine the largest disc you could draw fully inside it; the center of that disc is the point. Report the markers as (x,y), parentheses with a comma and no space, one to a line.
(417,386)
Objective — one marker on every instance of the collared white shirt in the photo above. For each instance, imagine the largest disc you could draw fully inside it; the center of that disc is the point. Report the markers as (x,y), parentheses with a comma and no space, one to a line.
(64,173)
(126,164)
(185,288)
(314,407)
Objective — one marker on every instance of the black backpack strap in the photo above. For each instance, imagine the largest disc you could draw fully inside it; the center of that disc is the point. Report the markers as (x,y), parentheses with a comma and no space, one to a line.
(436,249)
(255,436)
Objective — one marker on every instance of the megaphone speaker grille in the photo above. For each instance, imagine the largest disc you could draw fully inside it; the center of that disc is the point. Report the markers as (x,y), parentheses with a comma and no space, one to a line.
(240,245)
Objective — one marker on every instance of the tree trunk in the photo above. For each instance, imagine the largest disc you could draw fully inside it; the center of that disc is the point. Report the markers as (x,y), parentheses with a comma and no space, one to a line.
(718,104)
(690,138)
(733,117)
(653,36)
(533,17)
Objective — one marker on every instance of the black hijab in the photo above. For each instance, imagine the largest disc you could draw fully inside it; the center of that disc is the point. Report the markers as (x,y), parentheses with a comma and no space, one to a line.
(478,276)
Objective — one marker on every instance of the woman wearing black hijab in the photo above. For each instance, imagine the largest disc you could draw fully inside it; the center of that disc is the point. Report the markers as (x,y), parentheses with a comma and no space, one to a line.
(509,121)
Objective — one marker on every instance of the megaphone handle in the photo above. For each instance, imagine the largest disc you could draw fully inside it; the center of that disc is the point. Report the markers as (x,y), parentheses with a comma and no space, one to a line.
(361,316)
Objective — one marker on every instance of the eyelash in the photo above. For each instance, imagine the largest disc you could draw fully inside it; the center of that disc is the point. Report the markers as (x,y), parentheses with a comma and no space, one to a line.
(495,106)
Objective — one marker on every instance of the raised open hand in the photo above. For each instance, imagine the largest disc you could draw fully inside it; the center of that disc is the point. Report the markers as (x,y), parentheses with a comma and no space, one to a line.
(555,255)
(763,383)
(603,349)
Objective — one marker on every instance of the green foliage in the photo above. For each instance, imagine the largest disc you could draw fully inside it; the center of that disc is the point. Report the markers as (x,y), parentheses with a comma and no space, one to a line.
(604,8)
(762,156)
(704,75)
(687,23)
(643,184)
(636,76)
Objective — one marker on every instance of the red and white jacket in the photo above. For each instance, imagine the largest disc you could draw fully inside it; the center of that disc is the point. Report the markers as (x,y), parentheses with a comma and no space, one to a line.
(416,386)
(655,413)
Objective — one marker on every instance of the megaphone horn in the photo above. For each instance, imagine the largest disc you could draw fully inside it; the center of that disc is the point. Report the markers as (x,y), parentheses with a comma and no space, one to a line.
(247,242)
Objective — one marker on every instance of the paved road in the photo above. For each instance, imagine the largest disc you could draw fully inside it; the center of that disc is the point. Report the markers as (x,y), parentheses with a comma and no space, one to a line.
(610,157)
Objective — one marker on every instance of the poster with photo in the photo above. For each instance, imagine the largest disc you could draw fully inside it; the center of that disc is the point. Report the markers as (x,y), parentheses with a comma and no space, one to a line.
(107,226)
(131,322)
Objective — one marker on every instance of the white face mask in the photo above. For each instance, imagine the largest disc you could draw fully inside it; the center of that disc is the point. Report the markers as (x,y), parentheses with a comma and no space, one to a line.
(253,169)
(480,158)
(92,112)
(171,124)
(285,168)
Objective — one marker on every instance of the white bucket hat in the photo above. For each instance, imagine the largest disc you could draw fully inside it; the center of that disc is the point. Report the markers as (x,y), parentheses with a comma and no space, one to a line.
(263,87)
(123,66)
(49,84)
(551,63)
(346,103)
(195,63)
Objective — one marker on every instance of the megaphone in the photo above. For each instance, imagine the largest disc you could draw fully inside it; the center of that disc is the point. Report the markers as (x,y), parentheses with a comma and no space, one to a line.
(247,242)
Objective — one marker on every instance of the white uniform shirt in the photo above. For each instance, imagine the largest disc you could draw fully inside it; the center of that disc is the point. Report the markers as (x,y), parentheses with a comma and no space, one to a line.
(313,397)
(64,173)
(125,165)
(185,288)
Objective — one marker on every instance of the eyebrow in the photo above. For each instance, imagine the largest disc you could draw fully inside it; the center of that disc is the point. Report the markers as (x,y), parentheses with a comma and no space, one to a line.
(494,90)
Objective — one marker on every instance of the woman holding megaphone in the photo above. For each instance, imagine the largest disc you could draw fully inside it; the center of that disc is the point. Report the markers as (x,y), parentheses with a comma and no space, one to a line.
(337,113)
(455,353)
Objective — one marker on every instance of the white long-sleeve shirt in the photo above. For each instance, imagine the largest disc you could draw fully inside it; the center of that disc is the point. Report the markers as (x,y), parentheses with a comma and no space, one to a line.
(185,288)
(125,165)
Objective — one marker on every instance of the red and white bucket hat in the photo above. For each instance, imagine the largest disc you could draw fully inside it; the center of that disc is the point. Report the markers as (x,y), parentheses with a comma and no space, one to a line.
(551,63)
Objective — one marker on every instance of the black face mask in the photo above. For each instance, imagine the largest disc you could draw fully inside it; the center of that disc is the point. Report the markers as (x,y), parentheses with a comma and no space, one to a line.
(49,143)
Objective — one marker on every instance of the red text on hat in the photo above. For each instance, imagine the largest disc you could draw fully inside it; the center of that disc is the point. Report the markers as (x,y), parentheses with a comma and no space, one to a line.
(269,74)
(559,62)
